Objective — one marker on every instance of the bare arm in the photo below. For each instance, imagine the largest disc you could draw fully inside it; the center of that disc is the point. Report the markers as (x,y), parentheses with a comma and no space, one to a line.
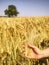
(45,53)
(37,53)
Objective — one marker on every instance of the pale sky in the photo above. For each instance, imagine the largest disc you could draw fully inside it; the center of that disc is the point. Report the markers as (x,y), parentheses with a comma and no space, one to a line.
(27,7)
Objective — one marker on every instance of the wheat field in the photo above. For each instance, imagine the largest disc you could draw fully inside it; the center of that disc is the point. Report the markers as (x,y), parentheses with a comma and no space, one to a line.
(14,32)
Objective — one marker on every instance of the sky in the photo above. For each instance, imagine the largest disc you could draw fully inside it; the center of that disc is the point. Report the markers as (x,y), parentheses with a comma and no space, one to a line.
(27,7)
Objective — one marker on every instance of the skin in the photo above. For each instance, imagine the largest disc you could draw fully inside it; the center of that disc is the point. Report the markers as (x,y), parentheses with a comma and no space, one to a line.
(36,52)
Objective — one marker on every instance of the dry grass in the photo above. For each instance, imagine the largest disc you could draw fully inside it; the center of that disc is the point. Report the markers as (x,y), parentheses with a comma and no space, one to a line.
(14,32)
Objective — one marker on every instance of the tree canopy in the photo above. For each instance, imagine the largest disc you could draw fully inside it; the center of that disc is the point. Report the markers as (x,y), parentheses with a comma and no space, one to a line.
(11,11)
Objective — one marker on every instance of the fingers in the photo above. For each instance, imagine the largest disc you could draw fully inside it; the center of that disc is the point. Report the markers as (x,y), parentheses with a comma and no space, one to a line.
(34,48)
(31,57)
(30,46)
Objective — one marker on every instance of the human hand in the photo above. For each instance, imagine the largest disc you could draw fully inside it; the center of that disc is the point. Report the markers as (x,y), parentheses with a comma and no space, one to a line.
(35,54)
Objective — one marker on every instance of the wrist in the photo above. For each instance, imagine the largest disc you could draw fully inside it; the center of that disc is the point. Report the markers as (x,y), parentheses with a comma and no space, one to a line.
(45,53)
(42,54)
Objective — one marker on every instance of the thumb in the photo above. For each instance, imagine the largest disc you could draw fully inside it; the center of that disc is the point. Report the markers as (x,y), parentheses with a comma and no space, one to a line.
(34,48)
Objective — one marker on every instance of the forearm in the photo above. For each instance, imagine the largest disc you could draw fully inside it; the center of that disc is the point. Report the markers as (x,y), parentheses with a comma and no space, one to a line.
(45,53)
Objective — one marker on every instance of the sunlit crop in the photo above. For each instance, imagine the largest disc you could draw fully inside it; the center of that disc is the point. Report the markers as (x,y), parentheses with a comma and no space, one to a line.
(14,32)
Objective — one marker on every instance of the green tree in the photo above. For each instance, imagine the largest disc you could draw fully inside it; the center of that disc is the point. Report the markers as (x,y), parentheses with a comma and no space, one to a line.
(11,11)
